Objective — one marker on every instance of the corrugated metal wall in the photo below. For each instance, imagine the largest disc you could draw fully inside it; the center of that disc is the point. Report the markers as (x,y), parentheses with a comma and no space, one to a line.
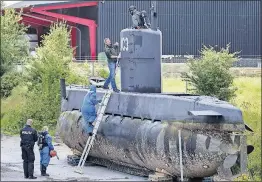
(113,16)
(187,25)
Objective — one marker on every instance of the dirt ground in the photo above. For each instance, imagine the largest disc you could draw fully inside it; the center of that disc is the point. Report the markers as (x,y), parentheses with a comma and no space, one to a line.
(12,166)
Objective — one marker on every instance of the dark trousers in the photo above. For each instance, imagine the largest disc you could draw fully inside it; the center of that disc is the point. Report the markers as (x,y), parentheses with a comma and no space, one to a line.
(28,156)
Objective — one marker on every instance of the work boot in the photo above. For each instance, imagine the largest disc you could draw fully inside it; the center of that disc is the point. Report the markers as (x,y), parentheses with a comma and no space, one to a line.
(32,177)
(105,87)
(25,166)
(31,170)
(116,90)
(43,172)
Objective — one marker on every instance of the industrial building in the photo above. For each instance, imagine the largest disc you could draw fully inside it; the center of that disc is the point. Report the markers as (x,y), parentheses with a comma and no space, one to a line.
(186,25)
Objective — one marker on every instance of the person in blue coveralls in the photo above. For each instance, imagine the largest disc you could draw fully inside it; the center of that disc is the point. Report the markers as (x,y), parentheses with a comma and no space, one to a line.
(45,146)
(88,109)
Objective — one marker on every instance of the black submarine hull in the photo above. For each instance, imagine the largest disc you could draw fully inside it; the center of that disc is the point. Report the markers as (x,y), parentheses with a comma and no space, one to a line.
(151,145)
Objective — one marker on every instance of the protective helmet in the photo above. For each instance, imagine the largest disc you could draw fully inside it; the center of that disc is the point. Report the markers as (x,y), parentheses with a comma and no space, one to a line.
(52,153)
(131,9)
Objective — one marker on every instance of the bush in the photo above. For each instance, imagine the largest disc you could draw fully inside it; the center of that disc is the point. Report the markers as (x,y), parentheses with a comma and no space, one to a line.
(103,73)
(210,75)
(76,79)
(8,82)
(42,99)
(12,110)
(51,64)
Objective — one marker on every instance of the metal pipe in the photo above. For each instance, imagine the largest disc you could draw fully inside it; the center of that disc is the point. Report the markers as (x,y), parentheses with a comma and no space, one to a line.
(63,88)
(53,22)
(80,43)
(153,15)
(180,155)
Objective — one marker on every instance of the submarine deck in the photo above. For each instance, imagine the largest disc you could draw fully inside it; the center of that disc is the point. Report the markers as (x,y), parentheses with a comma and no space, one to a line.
(160,107)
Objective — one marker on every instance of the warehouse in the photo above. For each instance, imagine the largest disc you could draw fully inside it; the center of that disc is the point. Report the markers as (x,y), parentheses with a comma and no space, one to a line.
(185,25)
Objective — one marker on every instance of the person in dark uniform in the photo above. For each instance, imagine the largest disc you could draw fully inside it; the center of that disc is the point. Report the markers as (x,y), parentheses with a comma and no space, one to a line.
(112,55)
(28,137)
(135,17)
(139,19)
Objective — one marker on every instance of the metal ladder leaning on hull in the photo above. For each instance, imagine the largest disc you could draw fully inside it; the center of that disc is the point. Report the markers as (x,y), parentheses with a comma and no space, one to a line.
(91,139)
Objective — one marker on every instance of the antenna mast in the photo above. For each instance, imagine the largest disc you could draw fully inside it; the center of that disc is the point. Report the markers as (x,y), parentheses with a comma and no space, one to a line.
(153,15)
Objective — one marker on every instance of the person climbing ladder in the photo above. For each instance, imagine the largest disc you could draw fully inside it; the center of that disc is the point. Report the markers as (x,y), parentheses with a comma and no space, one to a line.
(88,109)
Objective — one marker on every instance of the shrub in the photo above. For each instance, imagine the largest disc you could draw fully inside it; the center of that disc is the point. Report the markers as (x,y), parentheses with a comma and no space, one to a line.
(8,82)
(210,74)
(42,102)
(12,109)
(103,73)
(76,79)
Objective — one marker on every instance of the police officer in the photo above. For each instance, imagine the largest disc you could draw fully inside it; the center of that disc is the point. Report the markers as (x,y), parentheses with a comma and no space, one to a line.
(112,56)
(28,137)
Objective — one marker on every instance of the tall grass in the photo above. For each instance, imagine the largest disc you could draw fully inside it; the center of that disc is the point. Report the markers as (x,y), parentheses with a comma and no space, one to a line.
(249,101)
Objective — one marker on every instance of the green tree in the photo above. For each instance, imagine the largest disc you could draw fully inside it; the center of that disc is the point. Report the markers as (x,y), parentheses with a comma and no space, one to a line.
(40,99)
(45,70)
(210,74)
(14,45)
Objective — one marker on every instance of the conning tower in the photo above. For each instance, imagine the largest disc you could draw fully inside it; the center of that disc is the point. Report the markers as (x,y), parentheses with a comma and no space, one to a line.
(140,61)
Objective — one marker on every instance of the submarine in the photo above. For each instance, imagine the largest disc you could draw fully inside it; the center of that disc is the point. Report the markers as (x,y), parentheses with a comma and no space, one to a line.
(144,130)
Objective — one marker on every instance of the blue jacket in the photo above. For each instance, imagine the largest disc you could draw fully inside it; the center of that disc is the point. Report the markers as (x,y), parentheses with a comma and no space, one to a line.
(88,108)
(48,140)
(45,152)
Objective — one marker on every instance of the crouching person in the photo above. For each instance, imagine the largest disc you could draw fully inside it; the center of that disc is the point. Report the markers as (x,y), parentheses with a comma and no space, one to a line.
(88,109)
(45,146)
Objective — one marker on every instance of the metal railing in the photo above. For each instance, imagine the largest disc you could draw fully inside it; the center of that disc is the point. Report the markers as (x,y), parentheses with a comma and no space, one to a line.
(251,61)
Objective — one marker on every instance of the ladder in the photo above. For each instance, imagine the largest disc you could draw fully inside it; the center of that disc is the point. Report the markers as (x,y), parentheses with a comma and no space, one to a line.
(90,140)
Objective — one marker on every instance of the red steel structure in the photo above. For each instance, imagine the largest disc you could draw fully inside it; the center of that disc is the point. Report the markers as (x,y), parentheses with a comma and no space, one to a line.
(40,16)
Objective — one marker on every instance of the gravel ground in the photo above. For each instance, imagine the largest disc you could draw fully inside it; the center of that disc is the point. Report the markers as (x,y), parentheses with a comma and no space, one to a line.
(12,166)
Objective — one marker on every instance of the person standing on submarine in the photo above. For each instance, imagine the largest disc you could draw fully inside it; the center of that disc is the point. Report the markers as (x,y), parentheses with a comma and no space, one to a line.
(88,109)
(112,56)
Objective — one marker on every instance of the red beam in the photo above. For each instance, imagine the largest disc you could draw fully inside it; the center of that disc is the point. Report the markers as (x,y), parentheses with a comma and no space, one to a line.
(73,19)
(43,17)
(73,39)
(69,5)
(37,21)
(46,22)
(90,23)
(48,18)
(32,24)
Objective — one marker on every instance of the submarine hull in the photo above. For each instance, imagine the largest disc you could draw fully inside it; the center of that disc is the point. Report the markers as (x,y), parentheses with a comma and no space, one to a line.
(145,144)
